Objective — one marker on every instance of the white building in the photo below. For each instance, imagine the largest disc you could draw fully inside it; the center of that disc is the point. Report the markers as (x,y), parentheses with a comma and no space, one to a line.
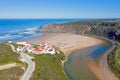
(19,49)
(9,42)
(21,43)
(29,50)
(42,48)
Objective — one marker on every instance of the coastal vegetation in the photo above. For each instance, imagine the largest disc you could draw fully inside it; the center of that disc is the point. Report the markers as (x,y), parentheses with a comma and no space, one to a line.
(48,67)
(7,55)
(11,74)
(15,45)
(114,61)
(109,28)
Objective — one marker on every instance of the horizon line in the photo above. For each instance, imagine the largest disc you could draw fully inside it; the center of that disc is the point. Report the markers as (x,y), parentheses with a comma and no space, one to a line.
(59,18)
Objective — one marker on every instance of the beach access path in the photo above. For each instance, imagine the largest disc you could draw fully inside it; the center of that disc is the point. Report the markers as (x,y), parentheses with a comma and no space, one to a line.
(8,66)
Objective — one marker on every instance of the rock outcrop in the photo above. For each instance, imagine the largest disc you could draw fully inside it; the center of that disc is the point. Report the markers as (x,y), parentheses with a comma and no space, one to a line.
(65,28)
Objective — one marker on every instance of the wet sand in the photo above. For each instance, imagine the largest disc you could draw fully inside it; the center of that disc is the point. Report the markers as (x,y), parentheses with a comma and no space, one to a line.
(67,42)
(83,64)
(95,68)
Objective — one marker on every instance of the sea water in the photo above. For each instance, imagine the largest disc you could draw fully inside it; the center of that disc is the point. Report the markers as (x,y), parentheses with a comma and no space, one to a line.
(20,29)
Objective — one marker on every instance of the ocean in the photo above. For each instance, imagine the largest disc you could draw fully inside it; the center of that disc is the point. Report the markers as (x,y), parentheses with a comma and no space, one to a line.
(20,29)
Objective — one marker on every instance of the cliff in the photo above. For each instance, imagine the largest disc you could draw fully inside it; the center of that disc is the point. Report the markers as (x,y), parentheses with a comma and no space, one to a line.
(65,28)
(102,27)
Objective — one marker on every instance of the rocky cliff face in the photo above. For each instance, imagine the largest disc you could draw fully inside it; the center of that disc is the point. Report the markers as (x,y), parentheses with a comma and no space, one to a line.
(65,28)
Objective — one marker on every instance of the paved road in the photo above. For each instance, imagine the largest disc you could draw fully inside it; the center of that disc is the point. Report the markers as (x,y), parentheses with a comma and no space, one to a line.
(31,66)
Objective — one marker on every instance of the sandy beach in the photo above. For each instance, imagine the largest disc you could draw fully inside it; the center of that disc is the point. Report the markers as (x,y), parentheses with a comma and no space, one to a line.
(70,42)
(66,42)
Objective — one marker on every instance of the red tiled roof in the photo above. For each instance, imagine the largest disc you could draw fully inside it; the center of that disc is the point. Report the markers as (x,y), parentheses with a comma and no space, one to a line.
(56,51)
(43,42)
(39,49)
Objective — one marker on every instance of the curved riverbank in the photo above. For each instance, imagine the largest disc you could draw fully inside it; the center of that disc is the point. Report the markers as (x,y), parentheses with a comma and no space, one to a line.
(103,65)
(107,74)
(67,42)
(83,65)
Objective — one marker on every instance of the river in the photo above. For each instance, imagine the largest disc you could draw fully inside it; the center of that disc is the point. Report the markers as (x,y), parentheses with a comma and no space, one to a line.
(76,65)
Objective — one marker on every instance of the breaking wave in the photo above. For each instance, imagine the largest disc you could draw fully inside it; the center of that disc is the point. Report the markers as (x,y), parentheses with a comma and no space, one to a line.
(9,37)
(29,31)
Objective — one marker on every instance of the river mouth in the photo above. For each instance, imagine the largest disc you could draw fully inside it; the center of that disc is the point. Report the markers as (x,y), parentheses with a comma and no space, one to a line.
(76,67)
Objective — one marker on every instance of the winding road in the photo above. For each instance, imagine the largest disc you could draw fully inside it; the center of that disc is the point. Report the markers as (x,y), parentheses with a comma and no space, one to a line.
(31,66)
(107,74)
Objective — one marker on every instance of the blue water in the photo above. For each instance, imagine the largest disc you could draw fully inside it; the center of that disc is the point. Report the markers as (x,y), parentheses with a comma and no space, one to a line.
(76,66)
(100,49)
(20,29)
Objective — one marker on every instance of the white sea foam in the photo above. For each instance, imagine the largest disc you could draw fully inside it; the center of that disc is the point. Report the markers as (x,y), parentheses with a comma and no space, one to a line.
(24,31)
(29,31)
(8,36)
(18,34)
(14,31)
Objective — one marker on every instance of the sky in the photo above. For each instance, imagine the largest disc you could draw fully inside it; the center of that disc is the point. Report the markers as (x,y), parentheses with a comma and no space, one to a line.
(59,9)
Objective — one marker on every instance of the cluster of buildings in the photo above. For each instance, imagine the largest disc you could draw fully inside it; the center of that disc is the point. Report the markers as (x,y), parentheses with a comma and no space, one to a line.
(36,49)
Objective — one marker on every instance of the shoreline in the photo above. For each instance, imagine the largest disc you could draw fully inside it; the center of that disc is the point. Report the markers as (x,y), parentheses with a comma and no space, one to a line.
(102,67)
(77,42)
(82,42)
(67,42)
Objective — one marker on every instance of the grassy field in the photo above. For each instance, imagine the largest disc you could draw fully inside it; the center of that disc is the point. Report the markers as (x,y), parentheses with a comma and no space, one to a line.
(48,67)
(114,61)
(15,45)
(7,55)
(11,74)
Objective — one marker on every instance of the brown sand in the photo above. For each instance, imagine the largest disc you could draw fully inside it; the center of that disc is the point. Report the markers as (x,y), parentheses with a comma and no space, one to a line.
(70,42)
(66,42)
(95,69)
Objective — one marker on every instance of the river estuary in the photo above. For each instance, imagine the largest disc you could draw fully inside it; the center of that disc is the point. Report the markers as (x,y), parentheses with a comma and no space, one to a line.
(76,65)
